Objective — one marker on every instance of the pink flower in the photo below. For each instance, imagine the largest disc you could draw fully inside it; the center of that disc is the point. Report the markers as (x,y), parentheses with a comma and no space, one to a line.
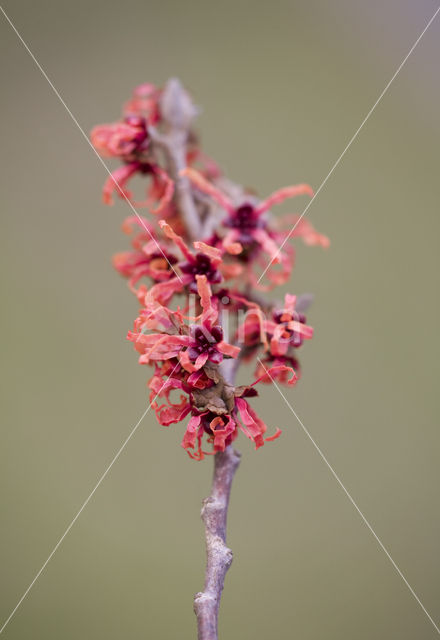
(221,429)
(207,262)
(281,334)
(281,375)
(121,139)
(287,329)
(129,141)
(250,237)
(193,347)
(186,346)
(220,432)
(300,227)
(145,103)
(198,265)
(161,188)
(168,377)
(150,256)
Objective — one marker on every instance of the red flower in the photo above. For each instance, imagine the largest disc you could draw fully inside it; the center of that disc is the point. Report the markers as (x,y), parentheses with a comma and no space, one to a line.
(221,429)
(150,256)
(280,334)
(125,139)
(206,262)
(145,103)
(250,235)
(186,346)
(283,376)
(129,140)
(193,347)
(287,329)
(161,188)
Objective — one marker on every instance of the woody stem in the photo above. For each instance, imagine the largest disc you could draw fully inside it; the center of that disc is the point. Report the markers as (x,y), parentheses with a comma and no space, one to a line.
(174,146)
(214,515)
(218,555)
(177,113)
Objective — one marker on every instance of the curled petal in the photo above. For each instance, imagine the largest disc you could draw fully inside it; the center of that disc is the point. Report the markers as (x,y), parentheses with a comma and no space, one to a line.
(199,454)
(127,262)
(309,235)
(161,190)
(267,244)
(231,270)
(153,317)
(158,269)
(117,181)
(186,363)
(222,431)
(302,329)
(199,380)
(254,325)
(165,188)
(214,253)
(228,349)
(282,194)
(191,366)
(230,242)
(279,343)
(276,277)
(136,275)
(302,228)
(161,388)
(234,248)
(272,372)
(164,291)
(201,360)
(209,314)
(172,413)
(99,137)
(201,183)
(157,346)
(140,221)
(276,435)
(254,426)
(156,339)
(170,233)
(189,439)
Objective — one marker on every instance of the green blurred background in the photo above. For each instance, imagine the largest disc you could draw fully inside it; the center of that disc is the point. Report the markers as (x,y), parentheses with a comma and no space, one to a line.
(283,87)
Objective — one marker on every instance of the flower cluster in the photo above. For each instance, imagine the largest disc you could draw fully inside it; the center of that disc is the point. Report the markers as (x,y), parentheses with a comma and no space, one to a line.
(129,140)
(214,246)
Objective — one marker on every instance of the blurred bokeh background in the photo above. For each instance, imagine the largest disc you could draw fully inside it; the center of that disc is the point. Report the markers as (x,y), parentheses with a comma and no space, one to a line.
(283,87)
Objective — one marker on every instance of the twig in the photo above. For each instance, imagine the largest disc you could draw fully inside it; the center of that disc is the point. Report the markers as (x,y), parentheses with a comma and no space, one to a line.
(219,556)
(214,515)
(178,112)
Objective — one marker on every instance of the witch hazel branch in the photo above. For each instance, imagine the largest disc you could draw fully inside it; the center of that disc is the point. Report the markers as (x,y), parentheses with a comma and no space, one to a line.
(194,266)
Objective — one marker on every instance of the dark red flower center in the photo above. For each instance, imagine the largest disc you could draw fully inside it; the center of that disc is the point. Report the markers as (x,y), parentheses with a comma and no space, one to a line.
(283,318)
(201,266)
(212,422)
(167,257)
(139,140)
(244,218)
(205,340)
